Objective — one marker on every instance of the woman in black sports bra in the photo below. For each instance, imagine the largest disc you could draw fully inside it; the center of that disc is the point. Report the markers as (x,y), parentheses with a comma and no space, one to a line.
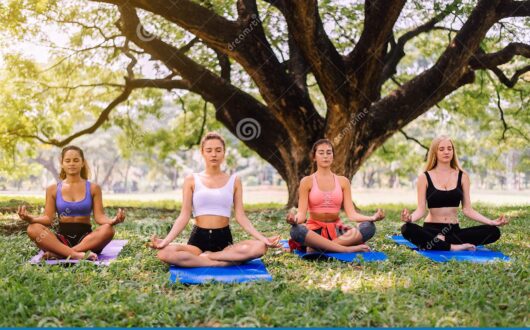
(441,188)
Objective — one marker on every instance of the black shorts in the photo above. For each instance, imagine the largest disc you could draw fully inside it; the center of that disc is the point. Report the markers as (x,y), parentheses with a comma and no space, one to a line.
(71,234)
(210,239)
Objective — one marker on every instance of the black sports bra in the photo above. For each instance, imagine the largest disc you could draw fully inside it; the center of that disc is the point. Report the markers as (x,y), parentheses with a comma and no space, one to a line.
(444,198)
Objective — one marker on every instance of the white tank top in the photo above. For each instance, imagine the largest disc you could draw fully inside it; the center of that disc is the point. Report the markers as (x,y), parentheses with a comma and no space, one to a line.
(213,201)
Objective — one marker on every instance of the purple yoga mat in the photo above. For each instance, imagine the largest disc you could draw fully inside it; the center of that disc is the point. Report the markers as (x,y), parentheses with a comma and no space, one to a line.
(109,253)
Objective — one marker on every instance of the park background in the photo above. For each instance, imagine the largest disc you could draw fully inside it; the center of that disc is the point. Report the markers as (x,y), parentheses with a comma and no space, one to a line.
(136,84)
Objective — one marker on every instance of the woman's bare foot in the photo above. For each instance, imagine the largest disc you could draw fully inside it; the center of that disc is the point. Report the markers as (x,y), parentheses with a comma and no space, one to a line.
(463,247)
(358,248)
(50,255)
(84,255)
(215,263)
(309,249)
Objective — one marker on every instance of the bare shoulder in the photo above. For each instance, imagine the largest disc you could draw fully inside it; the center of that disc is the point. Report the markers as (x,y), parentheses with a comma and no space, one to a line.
(344,181)
(51,189)
(422,180)
(306,181)
(95,189)
(189,180)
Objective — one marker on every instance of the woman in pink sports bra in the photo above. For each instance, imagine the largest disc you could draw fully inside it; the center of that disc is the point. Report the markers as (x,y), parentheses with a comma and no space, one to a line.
(210,196)
(323,193)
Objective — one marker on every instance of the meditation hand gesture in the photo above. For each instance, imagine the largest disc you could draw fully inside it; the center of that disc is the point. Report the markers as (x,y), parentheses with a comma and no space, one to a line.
(23,214)
(291,217)
(500,221)
(119,218)
(406,216)
(272,242)
(157,243)
(378,215)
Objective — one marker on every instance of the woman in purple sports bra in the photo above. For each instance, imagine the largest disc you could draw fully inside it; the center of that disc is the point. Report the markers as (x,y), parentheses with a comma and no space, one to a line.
(442,188)
(73,199)
(210,196)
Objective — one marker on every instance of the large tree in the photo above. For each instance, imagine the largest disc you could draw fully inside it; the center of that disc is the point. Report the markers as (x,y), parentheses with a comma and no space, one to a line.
(278,119)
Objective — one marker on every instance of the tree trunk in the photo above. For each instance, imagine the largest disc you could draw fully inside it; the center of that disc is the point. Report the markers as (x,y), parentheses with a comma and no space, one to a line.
(284,122)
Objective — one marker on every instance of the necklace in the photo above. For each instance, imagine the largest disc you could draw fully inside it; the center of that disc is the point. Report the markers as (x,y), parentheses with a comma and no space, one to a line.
(446,181)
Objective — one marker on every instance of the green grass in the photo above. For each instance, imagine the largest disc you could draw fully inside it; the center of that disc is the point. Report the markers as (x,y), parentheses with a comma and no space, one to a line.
(407,290)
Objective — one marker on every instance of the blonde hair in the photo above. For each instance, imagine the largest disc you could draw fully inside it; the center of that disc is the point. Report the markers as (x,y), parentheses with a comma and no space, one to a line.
(212,136)
(432,160)
(85,171)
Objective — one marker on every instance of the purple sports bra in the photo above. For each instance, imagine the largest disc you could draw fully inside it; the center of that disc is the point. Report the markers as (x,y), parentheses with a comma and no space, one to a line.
(82,208)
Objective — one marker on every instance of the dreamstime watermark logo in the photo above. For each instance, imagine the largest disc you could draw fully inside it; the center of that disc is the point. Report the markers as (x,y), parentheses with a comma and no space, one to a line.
(354,119)
(432,243)
(49,322)
(248,129)
(152,227)
(447,321)
(143,34)
(44,233)
(253,23)
(358,315)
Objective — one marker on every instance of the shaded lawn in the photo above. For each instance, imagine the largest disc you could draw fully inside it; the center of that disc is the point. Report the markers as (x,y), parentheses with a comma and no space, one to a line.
(406,290)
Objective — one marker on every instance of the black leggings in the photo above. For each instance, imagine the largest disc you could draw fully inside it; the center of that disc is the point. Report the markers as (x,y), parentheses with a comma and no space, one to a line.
(425,237)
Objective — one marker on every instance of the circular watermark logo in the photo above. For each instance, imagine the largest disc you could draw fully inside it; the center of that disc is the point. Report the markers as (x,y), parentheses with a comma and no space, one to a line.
(143,34)
(49,322)
(248,129)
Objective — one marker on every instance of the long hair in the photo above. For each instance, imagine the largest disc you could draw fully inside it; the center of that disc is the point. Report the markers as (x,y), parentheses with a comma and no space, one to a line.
(314,151)
(432,160)
(85,170)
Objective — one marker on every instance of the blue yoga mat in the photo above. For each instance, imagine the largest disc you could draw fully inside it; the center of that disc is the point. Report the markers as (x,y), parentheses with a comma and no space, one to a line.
(253,270)
(481,255)
(345,257)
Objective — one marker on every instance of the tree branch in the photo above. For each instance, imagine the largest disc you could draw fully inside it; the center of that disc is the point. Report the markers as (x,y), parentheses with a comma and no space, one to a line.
(483,60)
(491,61)
(103,117)
(232,104)
(515,9)
(397,51)
(416,141)
(307,31)
(167,84)
(366,59)
(501,113)
(450,72)
(202,22)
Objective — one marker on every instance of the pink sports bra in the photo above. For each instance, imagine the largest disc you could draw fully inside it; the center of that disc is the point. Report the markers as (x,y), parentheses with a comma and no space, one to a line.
(213,201)
(325,201)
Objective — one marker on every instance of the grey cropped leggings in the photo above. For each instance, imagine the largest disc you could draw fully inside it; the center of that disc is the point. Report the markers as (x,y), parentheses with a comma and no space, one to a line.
(367,230)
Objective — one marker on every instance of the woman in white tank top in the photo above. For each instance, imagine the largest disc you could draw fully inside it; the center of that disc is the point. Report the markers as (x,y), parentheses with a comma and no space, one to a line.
(210,196)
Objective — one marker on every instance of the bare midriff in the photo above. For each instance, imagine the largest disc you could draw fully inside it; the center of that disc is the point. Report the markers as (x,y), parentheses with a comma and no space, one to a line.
(442,215)
(211,221)
(81,219)
(324,217)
